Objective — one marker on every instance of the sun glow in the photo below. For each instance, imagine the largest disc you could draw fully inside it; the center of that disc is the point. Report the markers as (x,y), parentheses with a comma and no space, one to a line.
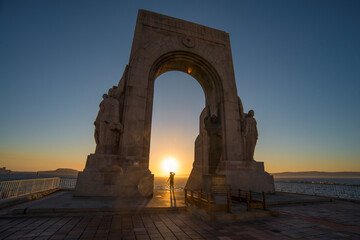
(169,165)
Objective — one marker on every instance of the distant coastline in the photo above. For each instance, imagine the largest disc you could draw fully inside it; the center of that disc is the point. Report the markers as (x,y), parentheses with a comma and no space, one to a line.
(4,170)
(304,174)
(316,174)
(68,171)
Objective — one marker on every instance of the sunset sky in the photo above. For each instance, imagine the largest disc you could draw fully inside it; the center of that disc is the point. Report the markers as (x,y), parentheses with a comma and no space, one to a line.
(297,64)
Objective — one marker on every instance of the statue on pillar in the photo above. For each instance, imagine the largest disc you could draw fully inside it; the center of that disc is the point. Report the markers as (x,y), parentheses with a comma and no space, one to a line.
(107,124)
(250,135)
(213,128)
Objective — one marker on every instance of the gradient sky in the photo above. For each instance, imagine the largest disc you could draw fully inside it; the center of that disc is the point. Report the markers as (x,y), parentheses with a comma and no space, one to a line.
(297,64)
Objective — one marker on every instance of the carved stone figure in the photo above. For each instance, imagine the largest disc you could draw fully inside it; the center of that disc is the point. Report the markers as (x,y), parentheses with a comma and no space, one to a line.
(242,128)
(213,128)
(107,125)
(250,135)
(241,109)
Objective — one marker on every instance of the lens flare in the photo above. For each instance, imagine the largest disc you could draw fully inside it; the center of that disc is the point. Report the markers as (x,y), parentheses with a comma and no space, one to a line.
(169,165)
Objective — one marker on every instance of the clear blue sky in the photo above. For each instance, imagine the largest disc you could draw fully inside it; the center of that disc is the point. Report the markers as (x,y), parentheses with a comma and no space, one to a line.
(297,64)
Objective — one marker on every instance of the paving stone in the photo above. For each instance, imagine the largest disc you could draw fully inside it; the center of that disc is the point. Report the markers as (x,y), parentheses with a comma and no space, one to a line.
(294,222)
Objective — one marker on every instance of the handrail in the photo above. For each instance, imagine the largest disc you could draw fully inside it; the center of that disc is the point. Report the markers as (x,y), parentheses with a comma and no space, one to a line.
(251,203)
(204,200)
(17,188)
(67,183)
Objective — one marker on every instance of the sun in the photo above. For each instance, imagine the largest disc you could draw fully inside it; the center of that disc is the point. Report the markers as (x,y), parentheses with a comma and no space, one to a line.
(169,165)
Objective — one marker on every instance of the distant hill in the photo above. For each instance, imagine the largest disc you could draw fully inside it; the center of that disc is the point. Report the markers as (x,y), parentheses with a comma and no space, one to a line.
(316,174)
(4,170)
(61,171)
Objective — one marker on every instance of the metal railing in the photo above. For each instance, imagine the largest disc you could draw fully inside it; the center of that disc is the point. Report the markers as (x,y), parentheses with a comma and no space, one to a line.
(339,190)
(18,188)
(253,200)
(205,201)
(67,183)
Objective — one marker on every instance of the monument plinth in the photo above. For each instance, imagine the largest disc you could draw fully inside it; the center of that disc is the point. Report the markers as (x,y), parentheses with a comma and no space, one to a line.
(110,175)
(225,146)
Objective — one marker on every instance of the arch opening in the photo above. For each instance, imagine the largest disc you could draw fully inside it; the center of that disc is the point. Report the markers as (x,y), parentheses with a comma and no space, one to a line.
(178,101)
(203,161)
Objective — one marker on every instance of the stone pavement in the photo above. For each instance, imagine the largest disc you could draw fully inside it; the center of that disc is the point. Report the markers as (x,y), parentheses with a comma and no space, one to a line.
(322,220)
(64,202)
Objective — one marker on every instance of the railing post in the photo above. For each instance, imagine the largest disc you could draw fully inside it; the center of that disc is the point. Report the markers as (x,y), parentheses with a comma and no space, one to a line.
(336,191)
(251,196)
(3,195)
(32,186)
(314,189)
(208,201)
(228,202)
(2,190)
(264,200)
(247,201)
(185,191)
(17,189)
(9,192)
(10,188)
(192,197)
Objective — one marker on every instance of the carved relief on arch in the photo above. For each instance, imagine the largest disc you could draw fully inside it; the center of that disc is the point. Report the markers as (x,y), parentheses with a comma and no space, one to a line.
(188,42)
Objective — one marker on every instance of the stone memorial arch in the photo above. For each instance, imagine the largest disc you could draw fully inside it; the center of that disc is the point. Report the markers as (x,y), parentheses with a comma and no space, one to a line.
(227,136)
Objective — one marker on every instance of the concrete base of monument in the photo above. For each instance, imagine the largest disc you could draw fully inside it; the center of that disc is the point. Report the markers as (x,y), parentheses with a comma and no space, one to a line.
(255,181)
(243,175)
(214,184)
(205,182)
(111,176)
(249,176)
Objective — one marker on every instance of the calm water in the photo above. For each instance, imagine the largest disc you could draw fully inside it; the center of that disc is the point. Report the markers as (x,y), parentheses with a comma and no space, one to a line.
(321,180)
(332,187)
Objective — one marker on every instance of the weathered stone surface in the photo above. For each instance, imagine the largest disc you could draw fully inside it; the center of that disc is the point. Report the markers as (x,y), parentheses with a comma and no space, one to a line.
(226,136)
(110,175)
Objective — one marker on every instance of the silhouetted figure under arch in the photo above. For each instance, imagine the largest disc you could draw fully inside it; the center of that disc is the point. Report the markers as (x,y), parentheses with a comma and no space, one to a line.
(171,180)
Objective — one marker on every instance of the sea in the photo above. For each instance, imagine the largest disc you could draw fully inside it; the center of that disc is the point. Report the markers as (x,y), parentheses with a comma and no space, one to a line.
(348,188)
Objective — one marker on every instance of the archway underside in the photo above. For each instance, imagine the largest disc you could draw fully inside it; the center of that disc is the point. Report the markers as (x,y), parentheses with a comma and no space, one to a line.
(195,66)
